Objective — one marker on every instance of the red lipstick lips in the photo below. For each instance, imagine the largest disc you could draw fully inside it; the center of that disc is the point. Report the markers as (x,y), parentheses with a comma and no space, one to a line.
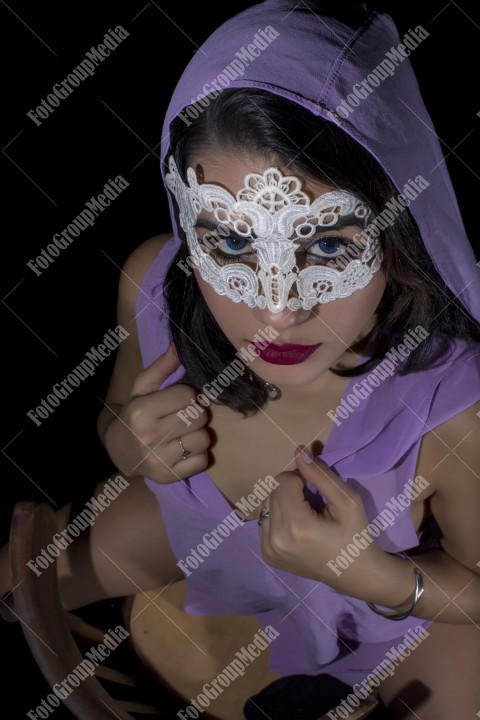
(288,354)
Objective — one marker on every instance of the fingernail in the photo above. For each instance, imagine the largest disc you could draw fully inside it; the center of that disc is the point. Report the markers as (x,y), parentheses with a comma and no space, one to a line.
(306,454)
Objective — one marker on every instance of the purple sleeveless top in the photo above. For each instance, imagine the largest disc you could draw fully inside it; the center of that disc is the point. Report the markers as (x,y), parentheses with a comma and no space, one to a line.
(375,451)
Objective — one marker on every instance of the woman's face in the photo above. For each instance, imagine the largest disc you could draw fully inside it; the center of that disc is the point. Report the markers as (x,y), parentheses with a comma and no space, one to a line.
(337,325)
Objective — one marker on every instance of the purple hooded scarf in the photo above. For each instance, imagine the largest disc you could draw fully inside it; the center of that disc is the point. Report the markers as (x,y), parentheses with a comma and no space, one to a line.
(319,58)
(316,54)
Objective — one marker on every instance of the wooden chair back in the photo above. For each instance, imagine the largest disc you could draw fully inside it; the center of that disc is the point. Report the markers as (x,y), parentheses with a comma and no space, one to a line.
(53,635)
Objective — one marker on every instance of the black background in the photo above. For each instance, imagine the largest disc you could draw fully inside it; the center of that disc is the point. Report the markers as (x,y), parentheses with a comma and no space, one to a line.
(110,125)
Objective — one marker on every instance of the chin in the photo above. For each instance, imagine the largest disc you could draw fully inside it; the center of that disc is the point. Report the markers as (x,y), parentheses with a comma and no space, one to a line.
(287,375)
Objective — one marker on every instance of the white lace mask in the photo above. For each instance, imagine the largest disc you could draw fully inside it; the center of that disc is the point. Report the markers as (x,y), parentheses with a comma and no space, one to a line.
(270,213)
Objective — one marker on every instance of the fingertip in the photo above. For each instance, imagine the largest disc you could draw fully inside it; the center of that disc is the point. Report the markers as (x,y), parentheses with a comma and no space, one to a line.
(305,454)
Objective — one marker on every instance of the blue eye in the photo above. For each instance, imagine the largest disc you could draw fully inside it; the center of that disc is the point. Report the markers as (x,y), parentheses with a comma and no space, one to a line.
(233,248)
(226,248)
(328,247)
(232,243)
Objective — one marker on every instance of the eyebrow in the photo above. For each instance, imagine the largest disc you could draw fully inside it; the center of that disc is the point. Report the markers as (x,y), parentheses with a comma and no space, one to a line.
(342,222)
(207,224)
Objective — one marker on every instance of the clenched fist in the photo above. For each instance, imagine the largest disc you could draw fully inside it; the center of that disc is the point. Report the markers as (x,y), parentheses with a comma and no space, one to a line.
(143,438)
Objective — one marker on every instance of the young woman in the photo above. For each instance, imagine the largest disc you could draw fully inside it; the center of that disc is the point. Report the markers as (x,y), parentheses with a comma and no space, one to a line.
(323,301)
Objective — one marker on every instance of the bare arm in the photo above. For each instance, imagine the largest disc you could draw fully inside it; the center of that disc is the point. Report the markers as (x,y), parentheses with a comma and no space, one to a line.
(126,550)
(298,539)
(452,574)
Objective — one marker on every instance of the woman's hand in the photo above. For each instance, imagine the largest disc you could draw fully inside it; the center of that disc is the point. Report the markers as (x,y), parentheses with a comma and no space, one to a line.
(143,438)
(299,540)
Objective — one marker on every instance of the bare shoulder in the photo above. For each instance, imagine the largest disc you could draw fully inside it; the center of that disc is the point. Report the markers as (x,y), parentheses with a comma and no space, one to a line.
(129,360)
(450,461)
(456,428)
(133,272)
(451,450)
(457,440)
(452,446)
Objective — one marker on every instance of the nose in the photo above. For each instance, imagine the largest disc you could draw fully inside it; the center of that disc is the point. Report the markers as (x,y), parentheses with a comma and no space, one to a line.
(285,318)
(282,320)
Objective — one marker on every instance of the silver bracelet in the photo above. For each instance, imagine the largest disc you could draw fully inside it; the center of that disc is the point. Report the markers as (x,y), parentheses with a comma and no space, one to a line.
(401,615)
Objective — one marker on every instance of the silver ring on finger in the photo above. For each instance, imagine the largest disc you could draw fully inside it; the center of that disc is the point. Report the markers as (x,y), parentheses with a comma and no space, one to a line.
(185,453)
(264,515)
